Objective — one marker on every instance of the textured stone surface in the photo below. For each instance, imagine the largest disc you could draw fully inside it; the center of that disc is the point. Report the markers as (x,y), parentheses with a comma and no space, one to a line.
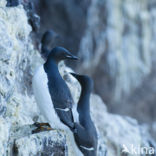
(18,109)
(118,44)
(17,105)
(42,144)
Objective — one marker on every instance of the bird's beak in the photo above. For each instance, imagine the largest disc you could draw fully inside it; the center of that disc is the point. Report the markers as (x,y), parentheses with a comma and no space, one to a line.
(75,75)
(71,57)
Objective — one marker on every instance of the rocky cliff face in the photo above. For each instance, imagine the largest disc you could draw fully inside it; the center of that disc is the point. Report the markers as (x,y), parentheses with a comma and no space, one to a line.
(119,42)
(18,109)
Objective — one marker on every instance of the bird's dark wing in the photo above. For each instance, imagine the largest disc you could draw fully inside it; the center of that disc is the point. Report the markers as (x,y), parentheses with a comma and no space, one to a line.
(62,101)
(64,111)
(66,117)
(85,142)
(82,136)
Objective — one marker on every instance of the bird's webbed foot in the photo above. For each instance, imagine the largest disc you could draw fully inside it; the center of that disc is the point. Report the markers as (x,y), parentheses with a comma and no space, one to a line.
(37,124)
(41,127)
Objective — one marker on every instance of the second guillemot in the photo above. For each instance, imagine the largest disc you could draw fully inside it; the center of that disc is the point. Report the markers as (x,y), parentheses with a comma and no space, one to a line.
(86,136)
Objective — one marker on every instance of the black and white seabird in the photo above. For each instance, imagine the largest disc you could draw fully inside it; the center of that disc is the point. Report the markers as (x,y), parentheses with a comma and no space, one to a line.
(46,43)
(52,93)
(86,136)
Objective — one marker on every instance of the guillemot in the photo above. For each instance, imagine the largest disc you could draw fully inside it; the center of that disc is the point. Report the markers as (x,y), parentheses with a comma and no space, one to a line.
(47,40)
(52,93)
(86,136)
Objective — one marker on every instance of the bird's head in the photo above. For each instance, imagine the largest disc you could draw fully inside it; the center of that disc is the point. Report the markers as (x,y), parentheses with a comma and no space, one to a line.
(48,38)
(59,54)
(85,81)
(47,41)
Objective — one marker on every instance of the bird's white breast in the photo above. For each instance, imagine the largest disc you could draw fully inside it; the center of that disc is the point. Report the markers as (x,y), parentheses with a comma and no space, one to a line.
(43,99)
